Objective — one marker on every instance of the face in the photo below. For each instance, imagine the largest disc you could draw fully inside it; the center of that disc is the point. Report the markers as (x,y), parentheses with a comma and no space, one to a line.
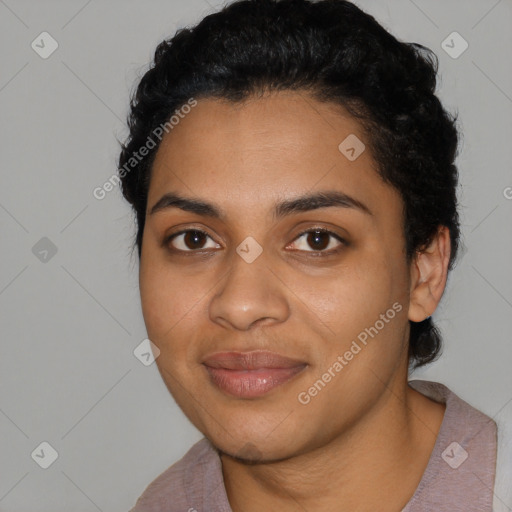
(280,320)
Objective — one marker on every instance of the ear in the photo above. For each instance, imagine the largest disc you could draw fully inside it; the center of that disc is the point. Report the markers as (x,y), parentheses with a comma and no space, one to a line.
(429,271)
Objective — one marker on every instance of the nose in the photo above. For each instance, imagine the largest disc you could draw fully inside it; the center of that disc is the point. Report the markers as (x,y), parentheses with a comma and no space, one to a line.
(249,294)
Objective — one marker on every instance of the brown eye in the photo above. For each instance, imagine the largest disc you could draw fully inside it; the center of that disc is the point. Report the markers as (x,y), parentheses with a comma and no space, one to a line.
(191,240)
(319,240)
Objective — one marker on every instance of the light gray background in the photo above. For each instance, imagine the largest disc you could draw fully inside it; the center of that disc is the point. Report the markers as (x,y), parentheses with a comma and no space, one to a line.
(69,325)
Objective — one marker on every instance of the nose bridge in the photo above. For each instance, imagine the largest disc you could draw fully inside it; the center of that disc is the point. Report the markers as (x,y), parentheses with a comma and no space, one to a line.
(249,292)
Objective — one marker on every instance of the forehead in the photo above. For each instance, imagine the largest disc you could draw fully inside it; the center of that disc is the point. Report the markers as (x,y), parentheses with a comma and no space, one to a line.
(254,153)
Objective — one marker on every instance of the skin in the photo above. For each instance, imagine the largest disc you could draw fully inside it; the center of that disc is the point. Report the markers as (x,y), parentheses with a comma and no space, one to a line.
(363,442)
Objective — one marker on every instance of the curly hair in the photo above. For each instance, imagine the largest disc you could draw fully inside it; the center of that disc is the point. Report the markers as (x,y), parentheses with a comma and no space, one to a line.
(338,54)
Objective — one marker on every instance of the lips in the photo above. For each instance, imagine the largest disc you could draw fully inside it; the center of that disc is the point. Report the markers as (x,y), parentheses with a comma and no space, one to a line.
(250,374)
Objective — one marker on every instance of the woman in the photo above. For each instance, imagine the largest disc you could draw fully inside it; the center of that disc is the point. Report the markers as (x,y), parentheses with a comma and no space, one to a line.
(292,173)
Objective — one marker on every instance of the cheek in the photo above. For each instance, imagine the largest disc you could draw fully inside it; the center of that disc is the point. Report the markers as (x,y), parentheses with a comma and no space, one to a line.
(357,293)
(171,308)
(365,302)
(167,300)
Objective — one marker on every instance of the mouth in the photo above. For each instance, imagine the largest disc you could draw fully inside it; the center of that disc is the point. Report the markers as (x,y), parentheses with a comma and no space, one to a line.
(251,374)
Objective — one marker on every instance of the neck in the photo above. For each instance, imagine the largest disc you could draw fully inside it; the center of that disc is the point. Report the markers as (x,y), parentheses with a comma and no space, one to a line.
(382,455)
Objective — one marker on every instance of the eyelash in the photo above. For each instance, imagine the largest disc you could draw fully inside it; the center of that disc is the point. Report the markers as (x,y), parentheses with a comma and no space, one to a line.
(343,242)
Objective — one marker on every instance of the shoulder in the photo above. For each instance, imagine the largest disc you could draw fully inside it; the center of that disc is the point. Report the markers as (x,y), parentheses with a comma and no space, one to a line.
(462,424)
(503,488)
(460,416)
(462,467)
(184,483)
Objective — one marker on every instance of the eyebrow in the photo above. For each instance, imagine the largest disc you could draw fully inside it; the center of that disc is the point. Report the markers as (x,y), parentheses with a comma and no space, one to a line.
(308,202)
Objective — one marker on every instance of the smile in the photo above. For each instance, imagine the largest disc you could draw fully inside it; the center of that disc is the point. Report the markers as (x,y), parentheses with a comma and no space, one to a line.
(250,374)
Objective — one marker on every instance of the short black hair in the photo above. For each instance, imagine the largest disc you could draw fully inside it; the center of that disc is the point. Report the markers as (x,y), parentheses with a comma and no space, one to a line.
(338,54)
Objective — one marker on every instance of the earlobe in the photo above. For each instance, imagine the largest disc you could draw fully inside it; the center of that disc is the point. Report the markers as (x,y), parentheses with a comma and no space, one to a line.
(429,272)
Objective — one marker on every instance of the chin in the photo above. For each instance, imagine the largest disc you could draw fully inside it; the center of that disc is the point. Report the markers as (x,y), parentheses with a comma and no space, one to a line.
(252,436)
(254,450)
